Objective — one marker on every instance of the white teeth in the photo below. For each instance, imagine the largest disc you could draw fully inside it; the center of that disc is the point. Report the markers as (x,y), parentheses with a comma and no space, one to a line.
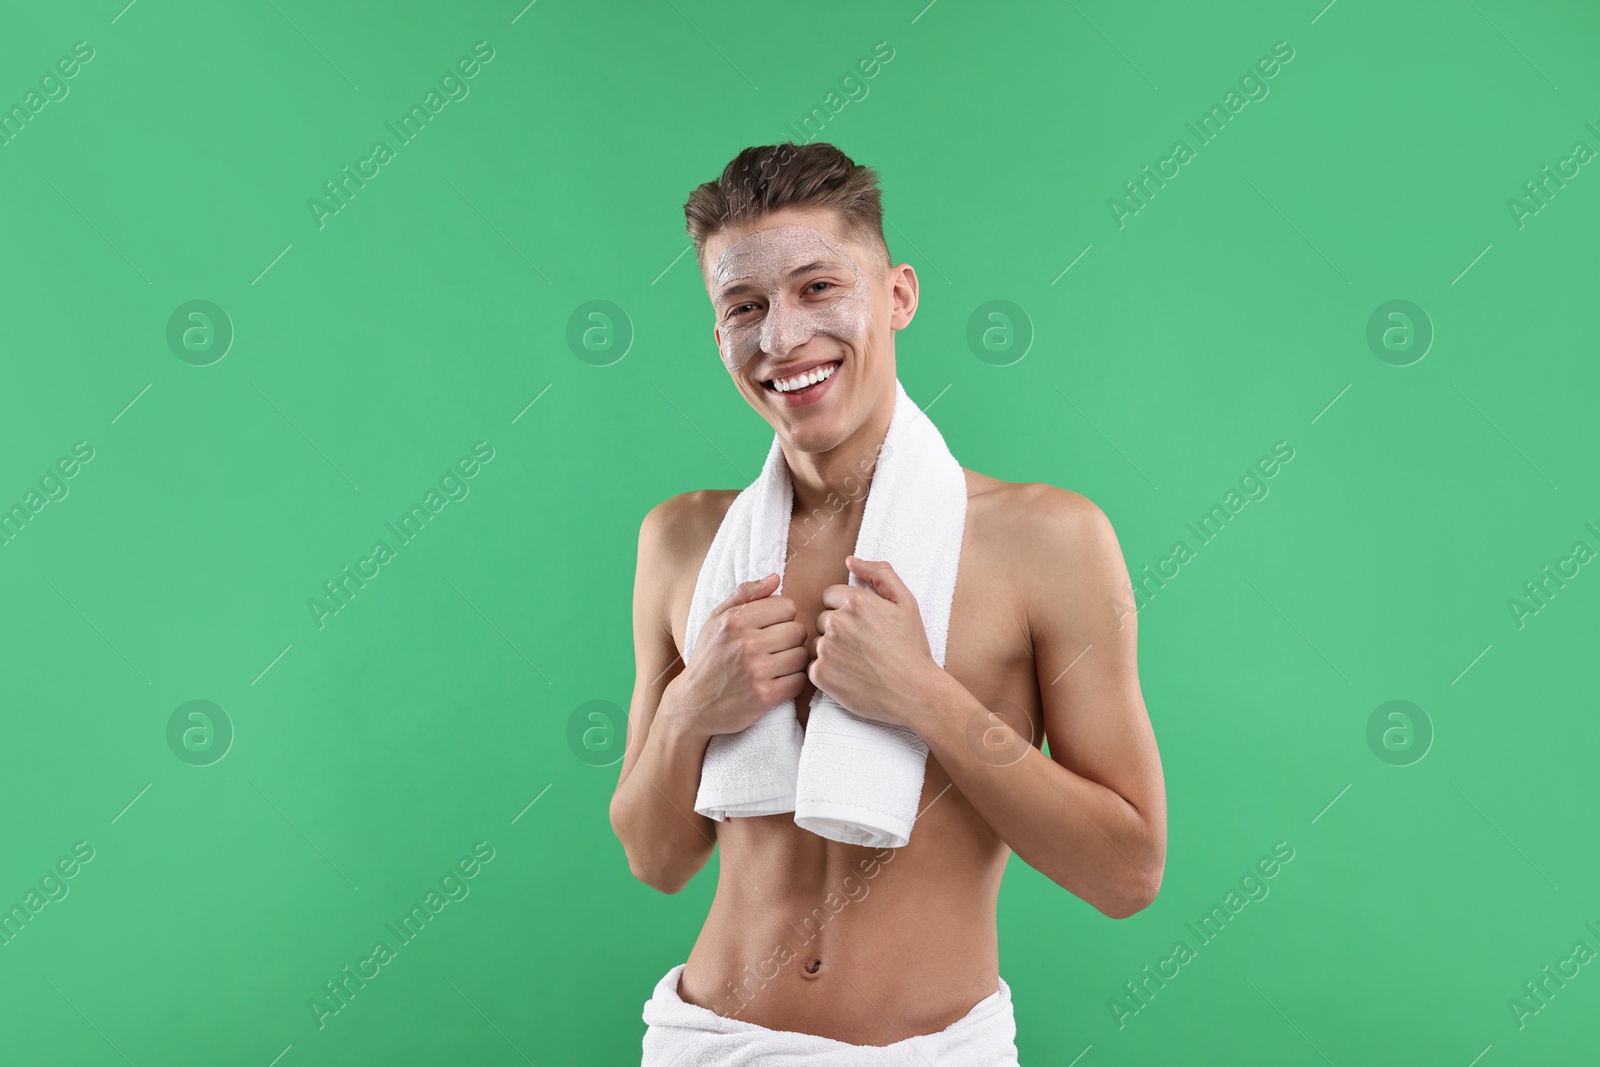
(800,381)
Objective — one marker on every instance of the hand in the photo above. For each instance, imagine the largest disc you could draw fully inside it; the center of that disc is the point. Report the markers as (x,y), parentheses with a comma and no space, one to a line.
(872,654)
(749,657)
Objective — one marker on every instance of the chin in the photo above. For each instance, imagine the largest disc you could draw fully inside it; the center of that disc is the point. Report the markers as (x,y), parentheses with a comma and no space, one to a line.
(816,436)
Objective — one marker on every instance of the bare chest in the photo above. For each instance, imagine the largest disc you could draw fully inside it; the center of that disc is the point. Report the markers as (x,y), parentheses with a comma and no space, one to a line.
(988,651)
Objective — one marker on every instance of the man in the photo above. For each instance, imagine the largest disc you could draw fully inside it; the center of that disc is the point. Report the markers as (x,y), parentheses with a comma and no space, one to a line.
(812,936)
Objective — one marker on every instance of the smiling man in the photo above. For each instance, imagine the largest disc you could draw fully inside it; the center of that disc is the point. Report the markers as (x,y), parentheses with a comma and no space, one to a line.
(811,942)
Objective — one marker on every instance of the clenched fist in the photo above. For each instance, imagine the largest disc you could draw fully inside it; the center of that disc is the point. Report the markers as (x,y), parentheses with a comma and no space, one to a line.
(872,655)
(749,657)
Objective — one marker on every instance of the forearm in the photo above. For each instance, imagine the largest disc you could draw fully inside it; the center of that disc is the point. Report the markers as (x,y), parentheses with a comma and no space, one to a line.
(1081,835)
(652,812)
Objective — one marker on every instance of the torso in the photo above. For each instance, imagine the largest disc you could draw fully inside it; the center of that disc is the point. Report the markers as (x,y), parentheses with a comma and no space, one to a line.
(863,945)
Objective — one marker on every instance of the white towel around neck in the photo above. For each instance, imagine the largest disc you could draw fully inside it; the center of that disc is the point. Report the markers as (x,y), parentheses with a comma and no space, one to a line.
(846,777)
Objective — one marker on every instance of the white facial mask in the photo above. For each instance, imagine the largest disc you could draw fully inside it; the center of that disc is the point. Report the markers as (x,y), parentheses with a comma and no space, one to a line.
(761,259)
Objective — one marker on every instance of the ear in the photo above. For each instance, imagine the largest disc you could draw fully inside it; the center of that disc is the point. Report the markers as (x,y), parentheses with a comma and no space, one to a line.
(902,295)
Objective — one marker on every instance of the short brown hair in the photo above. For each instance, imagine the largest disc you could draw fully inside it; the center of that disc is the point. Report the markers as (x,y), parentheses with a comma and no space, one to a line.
(765,178)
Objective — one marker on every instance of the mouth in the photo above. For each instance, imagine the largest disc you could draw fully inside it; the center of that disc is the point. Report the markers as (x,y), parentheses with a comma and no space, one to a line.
(804,386)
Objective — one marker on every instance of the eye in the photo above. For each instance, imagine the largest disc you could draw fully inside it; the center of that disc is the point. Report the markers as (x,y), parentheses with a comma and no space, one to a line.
(813,286)
(735,312)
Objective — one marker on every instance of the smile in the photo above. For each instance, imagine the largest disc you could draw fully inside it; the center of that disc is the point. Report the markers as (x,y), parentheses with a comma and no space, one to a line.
(799,383)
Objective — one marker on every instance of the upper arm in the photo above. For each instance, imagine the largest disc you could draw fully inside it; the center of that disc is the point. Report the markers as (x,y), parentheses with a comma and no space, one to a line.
(655,652)
(1082,618)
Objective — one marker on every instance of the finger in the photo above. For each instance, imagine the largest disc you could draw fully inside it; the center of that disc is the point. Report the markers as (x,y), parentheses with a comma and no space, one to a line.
(757,614)
(840,596)
(782,635)
(881,576)
(789,661)
(745,592)
(790,686)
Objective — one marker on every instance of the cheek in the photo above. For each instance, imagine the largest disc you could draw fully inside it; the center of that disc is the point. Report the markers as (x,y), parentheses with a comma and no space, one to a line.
(738,345)
(847,319)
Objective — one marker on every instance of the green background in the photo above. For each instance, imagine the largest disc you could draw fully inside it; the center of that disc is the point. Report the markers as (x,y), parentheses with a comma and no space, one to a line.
(372,353)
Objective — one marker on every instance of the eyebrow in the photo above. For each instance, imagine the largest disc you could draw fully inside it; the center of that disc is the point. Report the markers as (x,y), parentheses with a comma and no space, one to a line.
(742,286)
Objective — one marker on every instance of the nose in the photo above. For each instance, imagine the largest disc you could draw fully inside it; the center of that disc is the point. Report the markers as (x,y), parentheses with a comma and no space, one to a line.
(785,329)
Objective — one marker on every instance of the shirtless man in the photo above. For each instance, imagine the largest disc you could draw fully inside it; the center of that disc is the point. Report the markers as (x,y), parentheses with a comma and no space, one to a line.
(1042,645)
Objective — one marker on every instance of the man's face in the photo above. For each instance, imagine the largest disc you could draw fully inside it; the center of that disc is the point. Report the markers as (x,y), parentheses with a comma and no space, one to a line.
(796,301)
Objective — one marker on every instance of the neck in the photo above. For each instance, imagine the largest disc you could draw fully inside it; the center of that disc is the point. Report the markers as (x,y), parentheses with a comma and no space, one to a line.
(835,482)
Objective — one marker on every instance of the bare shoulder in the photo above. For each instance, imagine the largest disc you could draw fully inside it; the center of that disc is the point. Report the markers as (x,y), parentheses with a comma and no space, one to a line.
(1057,545)
(683,525)
(1033,517)
(674,538)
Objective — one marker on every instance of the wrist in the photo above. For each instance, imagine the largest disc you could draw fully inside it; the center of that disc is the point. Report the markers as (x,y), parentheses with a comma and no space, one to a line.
(677,717)
(956,721)
(932,698)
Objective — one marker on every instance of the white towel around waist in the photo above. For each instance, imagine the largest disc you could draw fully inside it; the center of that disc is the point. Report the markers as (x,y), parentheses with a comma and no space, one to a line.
(680,1034)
